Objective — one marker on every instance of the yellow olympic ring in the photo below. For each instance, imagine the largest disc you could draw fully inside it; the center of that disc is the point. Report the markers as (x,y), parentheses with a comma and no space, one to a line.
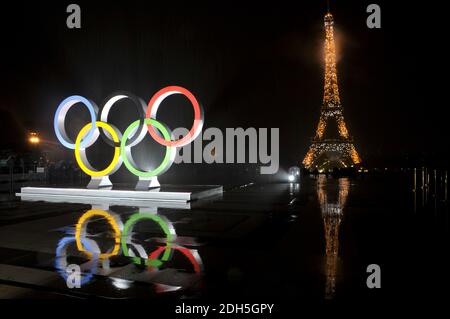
(114,161)
(111,221)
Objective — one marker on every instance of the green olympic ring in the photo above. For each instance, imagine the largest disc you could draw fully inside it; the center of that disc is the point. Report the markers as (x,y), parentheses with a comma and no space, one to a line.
(125,150)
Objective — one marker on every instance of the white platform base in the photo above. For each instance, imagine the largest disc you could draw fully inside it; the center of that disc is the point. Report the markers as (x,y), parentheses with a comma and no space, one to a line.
(164,194)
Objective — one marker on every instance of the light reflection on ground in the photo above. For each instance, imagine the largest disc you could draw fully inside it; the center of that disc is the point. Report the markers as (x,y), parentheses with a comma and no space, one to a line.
(310,240)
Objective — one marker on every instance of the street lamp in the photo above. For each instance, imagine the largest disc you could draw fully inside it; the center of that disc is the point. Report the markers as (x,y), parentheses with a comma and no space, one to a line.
(33,138)
(294,174)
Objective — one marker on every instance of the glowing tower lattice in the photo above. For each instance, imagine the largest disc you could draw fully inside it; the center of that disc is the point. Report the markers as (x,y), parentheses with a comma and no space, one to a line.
(328,151)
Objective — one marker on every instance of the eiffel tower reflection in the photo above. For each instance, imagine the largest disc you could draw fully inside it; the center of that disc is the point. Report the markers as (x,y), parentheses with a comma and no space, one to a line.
(332,204)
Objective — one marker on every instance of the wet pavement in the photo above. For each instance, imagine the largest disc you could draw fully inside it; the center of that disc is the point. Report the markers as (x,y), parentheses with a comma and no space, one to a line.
(312,240)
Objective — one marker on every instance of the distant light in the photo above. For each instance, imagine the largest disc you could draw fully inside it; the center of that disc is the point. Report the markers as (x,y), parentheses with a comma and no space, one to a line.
(291,178)
(34,138)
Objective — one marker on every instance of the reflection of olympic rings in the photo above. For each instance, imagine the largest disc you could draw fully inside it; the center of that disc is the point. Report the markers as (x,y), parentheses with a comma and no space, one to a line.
(61,258)
(123,239)
(133,135)
(191,255)
(166,227)
(81,228)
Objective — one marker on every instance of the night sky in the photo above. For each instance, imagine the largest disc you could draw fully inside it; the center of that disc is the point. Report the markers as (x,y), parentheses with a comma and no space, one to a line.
(253,65)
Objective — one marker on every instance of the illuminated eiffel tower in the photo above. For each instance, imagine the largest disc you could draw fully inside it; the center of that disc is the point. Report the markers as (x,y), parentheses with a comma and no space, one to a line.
(332,146)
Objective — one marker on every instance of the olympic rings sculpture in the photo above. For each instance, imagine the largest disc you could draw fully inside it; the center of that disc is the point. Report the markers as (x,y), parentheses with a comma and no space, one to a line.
(134,134)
